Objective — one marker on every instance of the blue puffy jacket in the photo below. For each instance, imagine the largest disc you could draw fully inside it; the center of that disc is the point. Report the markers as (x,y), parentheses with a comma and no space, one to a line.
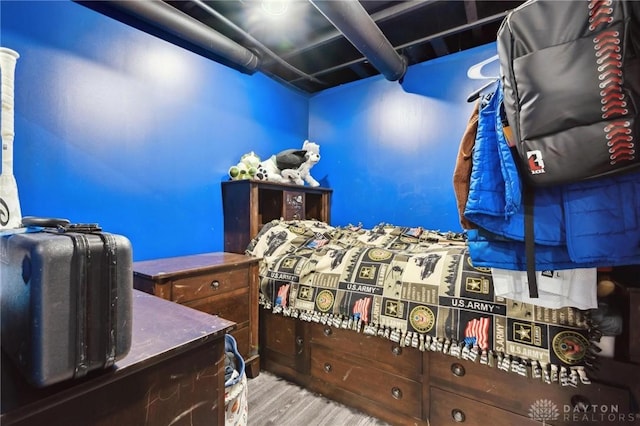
(586,224)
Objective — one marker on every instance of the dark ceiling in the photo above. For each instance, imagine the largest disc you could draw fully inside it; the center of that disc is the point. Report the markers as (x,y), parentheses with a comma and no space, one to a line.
(297,45)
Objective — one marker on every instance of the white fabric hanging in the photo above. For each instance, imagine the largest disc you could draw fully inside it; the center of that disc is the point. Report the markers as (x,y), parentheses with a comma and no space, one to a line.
(557,289)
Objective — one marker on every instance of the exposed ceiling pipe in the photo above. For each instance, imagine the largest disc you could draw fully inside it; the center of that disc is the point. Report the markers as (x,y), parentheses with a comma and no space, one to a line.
(352,20)
(391,12)
(179,24)
(445,33)
(248,36)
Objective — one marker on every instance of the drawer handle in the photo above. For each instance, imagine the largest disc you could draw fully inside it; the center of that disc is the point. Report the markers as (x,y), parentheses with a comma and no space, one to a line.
(327,367)
(458,369)
(215,284)
(327,331)
(396,350)
(581,403)
(458,415)
(396,393)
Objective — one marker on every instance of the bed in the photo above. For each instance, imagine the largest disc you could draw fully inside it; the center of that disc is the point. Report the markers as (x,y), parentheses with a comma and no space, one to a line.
(416,288)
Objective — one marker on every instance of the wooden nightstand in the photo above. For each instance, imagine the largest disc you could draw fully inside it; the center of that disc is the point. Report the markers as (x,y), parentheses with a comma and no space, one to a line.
(223,284)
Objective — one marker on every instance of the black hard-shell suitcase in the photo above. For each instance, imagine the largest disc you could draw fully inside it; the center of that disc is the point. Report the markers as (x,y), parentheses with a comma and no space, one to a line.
(66,299)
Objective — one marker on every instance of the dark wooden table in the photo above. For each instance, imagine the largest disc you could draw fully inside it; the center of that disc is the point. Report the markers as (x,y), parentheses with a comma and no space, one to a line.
(173,375)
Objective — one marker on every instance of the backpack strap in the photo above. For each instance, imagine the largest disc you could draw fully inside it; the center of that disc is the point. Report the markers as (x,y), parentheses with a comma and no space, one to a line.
(529,240)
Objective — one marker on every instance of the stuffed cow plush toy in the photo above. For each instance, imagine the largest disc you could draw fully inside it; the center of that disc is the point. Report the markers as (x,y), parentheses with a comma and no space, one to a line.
(291,165)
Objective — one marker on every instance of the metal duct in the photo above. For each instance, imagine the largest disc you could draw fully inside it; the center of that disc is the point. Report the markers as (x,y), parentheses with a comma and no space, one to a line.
(171,20)
(353,21)
(256,42)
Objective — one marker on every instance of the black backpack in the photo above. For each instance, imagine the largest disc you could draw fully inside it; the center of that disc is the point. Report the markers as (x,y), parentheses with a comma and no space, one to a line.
(571,78)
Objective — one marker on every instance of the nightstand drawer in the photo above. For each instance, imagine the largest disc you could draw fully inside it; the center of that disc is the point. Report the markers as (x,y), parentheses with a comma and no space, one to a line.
(232,306)
(450,409)
(211,284)
(389,390)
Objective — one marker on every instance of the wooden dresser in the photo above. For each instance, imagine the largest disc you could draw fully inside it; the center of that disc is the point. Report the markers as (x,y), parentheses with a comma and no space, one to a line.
(249,204)
(173,374)
(223,284)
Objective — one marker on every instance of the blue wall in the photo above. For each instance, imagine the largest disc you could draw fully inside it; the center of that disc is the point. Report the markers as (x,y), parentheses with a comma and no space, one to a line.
(394,146)
(121,128)
(118,127)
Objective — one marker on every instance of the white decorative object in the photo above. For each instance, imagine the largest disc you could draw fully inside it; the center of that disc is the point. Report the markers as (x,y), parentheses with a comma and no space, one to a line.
(10,215)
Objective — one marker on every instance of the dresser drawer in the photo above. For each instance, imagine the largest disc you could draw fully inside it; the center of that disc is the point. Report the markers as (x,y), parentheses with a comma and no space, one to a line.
(392,391)
(447,408)
(281,334)
(386,355)
(284,346)
(232,306)
(209,284)
(516,393)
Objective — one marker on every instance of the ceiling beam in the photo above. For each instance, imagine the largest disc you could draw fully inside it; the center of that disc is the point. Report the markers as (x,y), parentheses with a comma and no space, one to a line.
(441,34)
(355,23)
(263,49)
(397,10)
(471,10)
(439,46)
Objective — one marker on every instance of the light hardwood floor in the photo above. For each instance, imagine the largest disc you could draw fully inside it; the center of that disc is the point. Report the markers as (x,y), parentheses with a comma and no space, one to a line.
(276,402)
